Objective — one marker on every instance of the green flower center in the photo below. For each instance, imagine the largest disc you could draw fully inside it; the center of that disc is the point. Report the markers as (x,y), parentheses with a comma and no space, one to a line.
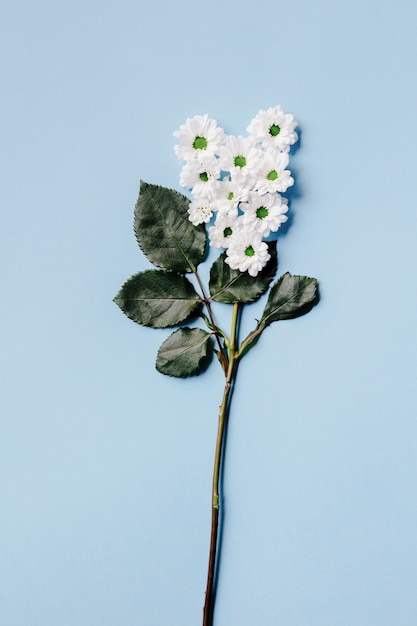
(200,143)
(231,196)
(274,130)
(227,232)
(239,161)
(249,251)
(273,175)
(262,212)
(204,177)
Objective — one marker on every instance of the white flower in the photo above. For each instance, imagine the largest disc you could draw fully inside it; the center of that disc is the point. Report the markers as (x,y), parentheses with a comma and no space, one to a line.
(241,158)
(264,213)
(199,135)
(247,252)
(272,175)
(224,227)
(201,175)
(274,129)
(227,196)
(200,211)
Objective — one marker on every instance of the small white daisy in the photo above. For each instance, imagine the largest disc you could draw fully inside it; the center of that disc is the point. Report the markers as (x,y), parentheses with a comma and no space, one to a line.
(241,158)
(227,196)
(224,227)
(247,252)
(200,211)
(274,129)
(201,175)
(272,175)
(265,213)
(199,135)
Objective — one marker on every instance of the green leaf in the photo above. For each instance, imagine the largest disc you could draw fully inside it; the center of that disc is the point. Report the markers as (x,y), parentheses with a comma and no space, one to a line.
(290,297)
(227,285)
(164,232)
(186,352)
(158,298)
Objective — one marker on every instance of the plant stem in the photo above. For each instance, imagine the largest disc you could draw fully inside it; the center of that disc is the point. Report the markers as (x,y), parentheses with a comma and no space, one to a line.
(223,356)
(215,511)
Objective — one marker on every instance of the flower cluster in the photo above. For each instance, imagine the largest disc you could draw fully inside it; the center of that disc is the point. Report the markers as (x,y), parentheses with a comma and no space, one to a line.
(240,181)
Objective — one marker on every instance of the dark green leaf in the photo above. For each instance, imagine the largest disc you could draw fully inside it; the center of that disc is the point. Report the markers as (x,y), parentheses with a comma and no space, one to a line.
(157,298)
(185,353)
(290,297)
(164,232)
(227,285)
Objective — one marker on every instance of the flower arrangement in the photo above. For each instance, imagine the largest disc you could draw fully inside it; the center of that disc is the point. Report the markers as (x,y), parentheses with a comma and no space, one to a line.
(236,184)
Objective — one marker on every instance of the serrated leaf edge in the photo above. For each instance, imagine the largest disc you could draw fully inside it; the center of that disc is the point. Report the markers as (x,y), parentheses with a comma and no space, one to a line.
(143,190)
(204,356)
(190,315)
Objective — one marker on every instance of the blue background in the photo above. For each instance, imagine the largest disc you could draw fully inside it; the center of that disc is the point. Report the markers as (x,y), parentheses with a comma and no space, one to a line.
(105,464)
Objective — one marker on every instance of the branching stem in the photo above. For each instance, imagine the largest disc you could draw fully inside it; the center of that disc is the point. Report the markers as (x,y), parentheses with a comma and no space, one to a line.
(219,453)
(223,354)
